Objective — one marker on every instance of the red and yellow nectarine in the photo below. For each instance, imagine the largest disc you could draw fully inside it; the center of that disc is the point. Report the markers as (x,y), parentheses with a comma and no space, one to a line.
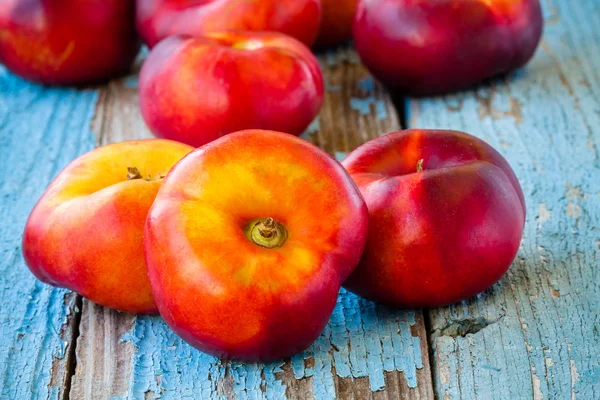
(86,231)
(248,242)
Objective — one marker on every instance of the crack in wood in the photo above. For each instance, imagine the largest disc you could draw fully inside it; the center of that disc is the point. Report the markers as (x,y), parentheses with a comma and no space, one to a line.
(71,363)
(63,362)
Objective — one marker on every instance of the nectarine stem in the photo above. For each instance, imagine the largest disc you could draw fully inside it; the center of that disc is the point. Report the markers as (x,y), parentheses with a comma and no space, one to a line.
(267,228)
(133,173)
(267,232)
(420,165)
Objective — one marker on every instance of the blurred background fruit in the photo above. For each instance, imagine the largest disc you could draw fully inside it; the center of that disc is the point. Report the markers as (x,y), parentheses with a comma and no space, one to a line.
(433,47)
(336,22)
(69,41)
(158,19)
(196,90)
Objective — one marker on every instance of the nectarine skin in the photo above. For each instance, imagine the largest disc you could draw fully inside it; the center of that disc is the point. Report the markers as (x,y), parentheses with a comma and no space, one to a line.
(446,217)
(158,19)
(336,23)
(196,90)
(224,290)
(432,47)
(86,231)
(68,42)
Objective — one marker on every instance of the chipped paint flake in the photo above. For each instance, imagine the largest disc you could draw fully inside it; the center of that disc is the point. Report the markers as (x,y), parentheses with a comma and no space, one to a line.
(364,107)
(543,214)
(340,155)
(131,81)
(367,84)
(537,388)
(574,378)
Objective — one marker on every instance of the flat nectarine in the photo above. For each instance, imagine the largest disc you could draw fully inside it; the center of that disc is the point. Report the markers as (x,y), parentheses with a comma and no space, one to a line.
(446,217)
(196,90)
(248,242)
(86,231)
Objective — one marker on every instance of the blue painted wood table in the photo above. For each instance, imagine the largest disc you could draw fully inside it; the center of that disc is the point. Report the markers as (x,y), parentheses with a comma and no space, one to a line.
(534,335)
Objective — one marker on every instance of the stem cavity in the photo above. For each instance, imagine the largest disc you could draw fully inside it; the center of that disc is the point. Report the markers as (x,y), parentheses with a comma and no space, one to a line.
(267,233)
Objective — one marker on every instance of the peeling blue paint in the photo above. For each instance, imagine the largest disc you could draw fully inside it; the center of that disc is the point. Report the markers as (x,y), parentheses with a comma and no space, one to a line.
(335,57)
(351,342)
(591,376)
(312,129)
(367,84)
(186,372)
(340,155)
(41,130)
(364,106)
(131,81)
(380,110)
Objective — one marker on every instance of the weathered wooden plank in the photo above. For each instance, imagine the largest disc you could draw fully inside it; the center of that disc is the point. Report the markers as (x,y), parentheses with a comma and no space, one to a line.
(366,351)
(535,334)
(103,367)
(41,130)
(356,109)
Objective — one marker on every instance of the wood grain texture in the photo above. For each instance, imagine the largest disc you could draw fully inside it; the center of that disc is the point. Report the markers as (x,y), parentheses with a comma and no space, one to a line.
(535,335)
(103,360)
(366,351)
(41,130)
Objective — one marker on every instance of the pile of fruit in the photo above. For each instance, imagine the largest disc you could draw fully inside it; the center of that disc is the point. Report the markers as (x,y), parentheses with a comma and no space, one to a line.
(243,241)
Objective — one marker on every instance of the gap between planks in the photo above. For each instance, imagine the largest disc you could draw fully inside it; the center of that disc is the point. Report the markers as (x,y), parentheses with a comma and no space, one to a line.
(71,358)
